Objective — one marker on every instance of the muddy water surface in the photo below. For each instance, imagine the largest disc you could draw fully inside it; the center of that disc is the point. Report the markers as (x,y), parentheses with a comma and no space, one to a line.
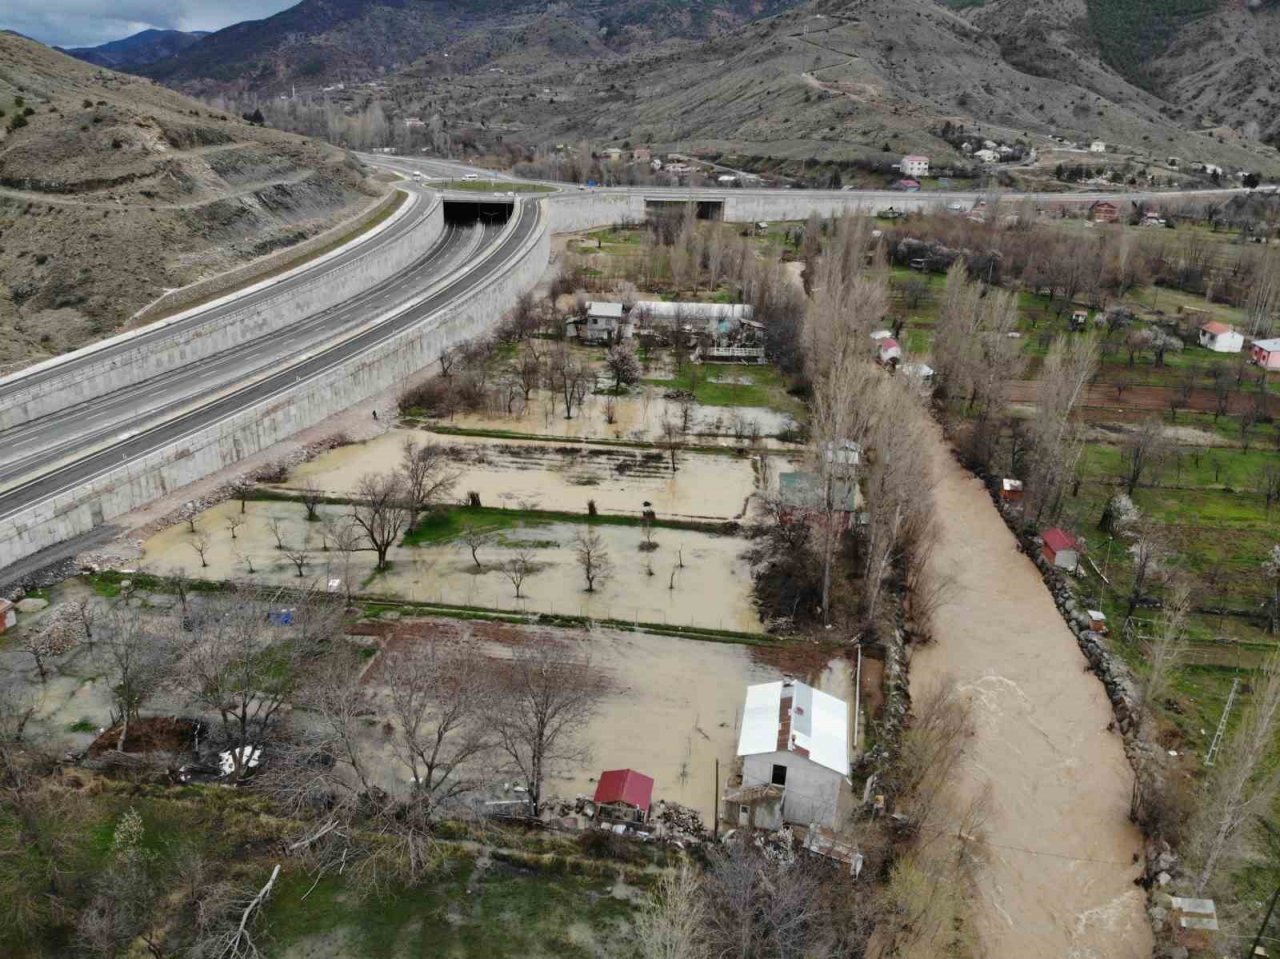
(1058,874)
(556,476)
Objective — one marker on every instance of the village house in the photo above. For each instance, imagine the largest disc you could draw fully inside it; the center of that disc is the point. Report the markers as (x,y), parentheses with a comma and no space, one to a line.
(802,498)
(794,748)
(641,155)
(1061,549)
(888,350)
(914,165)
(906,185)
(1011,490)
(1266,353)
(623,796)
(604,323)
(1220,337)
(1104,211)
(987,155)
(1097,146)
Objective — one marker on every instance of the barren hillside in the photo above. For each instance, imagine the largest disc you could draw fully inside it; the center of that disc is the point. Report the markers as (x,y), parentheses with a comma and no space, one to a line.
(113,189)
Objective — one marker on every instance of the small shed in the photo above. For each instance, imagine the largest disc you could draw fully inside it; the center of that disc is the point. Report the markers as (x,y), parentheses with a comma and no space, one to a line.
(624,795)
(1097,621)
(1061,549)
(8,616)
(1079,320)
(1010,490)
(889,352)
(1220,337)
(802,497)
(1266,353)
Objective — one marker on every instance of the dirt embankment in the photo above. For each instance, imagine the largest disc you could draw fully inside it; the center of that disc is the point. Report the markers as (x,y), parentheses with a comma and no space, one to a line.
(1057,847)
(114,190)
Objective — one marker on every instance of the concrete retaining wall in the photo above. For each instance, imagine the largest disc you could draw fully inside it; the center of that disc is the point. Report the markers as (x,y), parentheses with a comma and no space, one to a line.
(192,342)
(261,426)
(572,212)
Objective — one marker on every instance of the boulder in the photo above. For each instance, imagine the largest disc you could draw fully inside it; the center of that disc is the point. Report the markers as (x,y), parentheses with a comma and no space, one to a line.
(31,605)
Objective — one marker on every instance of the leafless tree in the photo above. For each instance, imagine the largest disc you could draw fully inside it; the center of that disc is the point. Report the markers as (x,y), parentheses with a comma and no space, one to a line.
(1243,784)
(425,477)
(244,668)
(623,364)
(671,923)
(300,559)
(122,909)
(593,557)
(311,497)
(1271,569)
(475,538)
(672,437)
(228,919)
(241,488)
(1055,444)
(276,525)
(201,545)
(1149,555)
(234,523)
(518,568)
(380,510)
(570,378)
(545,696)
(56,636)
(1145,451)
(1165,651)
(136,654)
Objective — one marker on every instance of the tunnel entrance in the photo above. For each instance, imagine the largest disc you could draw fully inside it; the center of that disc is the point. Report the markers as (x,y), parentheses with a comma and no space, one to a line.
(487,211)
(703,209)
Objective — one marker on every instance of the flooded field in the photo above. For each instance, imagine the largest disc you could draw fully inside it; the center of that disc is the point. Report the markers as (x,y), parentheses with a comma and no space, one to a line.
(550,476)
(637,418)
(711,590)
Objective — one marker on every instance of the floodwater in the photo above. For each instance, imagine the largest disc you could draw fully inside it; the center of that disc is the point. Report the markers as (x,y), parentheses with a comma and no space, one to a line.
(638,418)
(712,589)
(557,476)
(1057,878)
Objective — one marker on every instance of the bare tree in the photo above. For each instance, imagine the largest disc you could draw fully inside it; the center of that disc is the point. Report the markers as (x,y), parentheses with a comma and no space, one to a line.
(672,922)
(593,557)
(241,488)
(234,523)
(58,635)
(201,545)
(623,364)
(1271,569)
(476,539)
(1055,443)
(1149,555)
(545,695)
(300,559)
(570,378)
(311,497)
(425,477)
(277,531)
(518,568)
(381,511)
(672,436)
(1243,784)
(137,655)
(1165,651)
(246,669)
(1145,451)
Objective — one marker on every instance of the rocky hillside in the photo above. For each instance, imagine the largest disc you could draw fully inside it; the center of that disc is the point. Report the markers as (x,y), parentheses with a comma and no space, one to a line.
(1212,63)
(113,189)
(354,40)
(138,50)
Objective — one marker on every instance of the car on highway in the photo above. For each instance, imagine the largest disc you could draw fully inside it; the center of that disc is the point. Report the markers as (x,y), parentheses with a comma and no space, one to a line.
(472,176)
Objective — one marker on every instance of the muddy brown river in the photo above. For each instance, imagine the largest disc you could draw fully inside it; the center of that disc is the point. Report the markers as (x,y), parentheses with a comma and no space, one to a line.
(1058,870)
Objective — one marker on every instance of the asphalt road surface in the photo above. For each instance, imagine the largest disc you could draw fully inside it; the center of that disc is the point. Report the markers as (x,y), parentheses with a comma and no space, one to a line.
(182,407)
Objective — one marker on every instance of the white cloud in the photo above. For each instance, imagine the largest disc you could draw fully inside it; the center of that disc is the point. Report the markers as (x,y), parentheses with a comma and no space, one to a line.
(85,23)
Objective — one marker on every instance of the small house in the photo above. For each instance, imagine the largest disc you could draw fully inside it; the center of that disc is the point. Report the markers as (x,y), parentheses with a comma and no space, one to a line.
(803,497)
(1098,146)
(1220,337)
(604,323)
(1097,621)
(624,795)
(1104,211)
(907,185)
(8,616)
(987,155)
(794,738)
(1010,490)
(914,165)
(1266,353)
(1061,549)
(1079,320)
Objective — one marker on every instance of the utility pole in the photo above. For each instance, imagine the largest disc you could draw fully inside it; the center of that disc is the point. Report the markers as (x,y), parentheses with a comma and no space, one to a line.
(1222,724)
(715,818)
(1257,940)
(857,699)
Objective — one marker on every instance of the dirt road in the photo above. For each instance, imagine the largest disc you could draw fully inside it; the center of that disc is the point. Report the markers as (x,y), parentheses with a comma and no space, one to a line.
(1057,878)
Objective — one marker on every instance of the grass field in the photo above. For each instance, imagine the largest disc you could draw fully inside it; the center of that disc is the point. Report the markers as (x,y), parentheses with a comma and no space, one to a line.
(762,386)
(493,186)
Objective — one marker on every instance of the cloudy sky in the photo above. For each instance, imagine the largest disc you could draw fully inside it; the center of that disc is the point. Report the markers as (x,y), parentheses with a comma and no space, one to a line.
(85,23)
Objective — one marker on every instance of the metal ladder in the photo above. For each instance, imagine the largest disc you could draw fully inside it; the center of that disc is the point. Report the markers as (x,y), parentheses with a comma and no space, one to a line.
(1222,724)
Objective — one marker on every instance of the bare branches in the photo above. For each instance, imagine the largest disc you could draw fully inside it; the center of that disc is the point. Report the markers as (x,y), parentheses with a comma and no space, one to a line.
(518,568)
(425,477)
(381,511)
(593,557)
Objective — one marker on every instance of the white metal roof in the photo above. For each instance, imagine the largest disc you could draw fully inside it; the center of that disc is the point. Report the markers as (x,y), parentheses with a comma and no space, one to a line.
(611,310)
(819,724)
(659,309)
(1270,346)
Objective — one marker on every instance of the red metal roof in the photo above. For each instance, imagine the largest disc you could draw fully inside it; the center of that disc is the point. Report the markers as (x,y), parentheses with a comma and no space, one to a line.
(625,785)
(1058,539)
(1216,328)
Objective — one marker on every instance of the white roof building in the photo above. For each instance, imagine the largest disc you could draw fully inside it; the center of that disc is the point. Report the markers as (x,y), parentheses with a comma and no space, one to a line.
(813,725)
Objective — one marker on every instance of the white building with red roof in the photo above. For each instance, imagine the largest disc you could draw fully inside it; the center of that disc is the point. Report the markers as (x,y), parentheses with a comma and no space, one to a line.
(1220,337)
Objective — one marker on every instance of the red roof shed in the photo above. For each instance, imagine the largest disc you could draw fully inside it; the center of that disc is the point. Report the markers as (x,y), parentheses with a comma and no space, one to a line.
(625,786)
(1059,539)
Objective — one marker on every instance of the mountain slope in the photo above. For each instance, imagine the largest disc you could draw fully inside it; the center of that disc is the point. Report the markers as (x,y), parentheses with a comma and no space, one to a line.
(113,190)
(353,40)
(138,50)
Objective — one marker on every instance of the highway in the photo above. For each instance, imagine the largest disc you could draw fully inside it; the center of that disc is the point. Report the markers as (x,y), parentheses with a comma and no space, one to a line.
(248,381)
(69,364)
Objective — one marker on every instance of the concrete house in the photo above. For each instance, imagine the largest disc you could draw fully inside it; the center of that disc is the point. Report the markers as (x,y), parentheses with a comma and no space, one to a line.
(604,323)
(1061,549)
(794,742)
(1266,353)
(914,165)
(1097,146)
(1104,211)
(1220,337)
